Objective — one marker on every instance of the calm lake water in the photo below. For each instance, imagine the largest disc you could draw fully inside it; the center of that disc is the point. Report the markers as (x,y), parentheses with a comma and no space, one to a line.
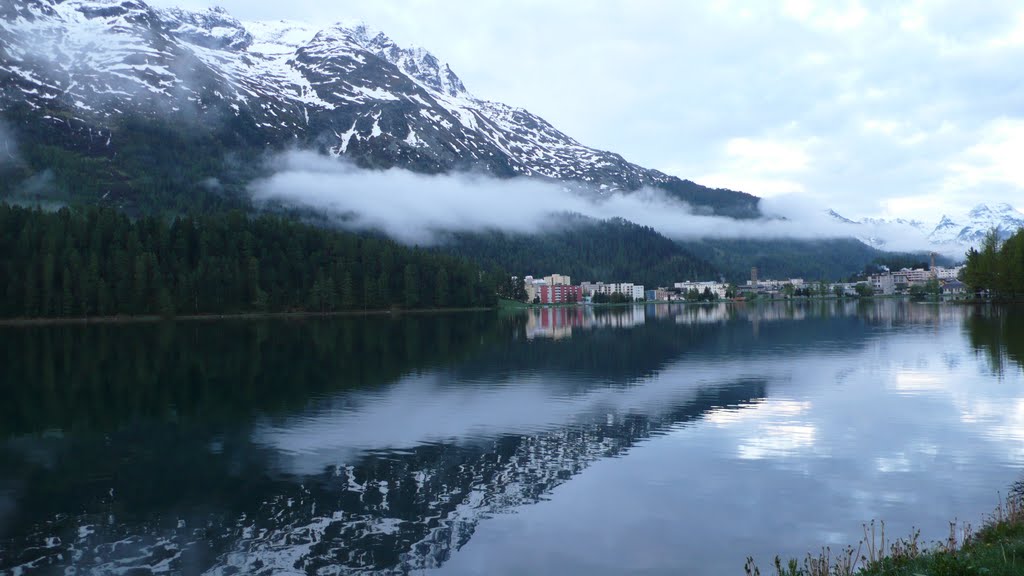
(647,440)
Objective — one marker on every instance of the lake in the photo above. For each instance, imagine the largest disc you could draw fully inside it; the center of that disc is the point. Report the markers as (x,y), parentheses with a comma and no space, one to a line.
(659,439)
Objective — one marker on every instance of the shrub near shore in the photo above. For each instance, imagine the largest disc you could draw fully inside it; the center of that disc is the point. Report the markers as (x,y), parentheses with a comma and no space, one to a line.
(997,549)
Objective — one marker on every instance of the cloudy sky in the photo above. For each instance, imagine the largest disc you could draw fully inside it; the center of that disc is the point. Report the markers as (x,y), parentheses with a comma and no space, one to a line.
(874,108)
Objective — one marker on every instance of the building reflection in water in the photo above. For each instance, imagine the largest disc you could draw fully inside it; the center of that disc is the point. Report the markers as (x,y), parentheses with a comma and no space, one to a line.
(559,322)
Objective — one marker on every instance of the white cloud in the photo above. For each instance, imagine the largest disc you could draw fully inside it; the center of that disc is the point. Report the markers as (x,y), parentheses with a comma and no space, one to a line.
(769,156)
(761,166)
(900,132)
(752,184)
(825,15)
(995,159)
(906,204)
(887,127)
(1012,39)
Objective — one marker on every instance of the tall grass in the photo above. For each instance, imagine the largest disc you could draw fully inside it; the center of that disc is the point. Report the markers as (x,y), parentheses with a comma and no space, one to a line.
(997,549)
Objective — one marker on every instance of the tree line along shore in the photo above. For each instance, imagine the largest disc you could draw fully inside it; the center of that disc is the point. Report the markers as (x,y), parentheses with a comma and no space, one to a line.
(98,262)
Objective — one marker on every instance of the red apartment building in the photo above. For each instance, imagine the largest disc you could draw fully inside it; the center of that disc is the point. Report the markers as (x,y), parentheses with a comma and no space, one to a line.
(559,293)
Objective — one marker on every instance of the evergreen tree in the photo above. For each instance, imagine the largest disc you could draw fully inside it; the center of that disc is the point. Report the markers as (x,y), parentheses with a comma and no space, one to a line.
(412,288)
(441,292)
(67,297)
(997,269)
(384,287)
(97,261)
(348,294)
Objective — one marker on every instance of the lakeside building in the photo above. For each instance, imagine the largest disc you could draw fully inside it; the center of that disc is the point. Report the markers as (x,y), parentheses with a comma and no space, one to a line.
(889,283)
(556,288)
(954,290)
(886,283)
(638,292)
(532,286)
(665,295)
(559,294)
(633,291)
(770,286)
(917,275)
(717,288)
(895,282)
(848,288)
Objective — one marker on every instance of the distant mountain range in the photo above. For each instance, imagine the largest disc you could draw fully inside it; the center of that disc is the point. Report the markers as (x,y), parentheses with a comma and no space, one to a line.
(950,234)
(79,74)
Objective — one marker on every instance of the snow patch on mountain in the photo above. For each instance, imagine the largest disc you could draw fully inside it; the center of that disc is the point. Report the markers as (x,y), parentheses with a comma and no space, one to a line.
(214,28)
(279,37)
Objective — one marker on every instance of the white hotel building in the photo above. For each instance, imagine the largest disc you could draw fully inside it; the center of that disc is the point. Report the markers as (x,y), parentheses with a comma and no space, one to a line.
(716,288)
(634,291)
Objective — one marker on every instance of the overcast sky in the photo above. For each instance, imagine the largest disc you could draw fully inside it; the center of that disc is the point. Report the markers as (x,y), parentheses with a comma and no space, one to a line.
(873,108)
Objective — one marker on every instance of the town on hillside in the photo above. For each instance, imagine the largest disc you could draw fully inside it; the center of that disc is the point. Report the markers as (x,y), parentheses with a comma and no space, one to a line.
(934,282)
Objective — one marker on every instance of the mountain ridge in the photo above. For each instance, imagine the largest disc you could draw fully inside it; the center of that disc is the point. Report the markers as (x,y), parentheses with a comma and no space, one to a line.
(951,232)
(78,67)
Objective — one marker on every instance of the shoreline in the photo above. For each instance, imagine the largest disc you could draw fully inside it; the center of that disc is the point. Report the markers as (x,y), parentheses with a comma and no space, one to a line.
(154,318)
(304,315)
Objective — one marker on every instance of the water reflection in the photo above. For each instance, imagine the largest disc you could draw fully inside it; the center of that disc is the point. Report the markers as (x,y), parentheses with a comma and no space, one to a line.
(559,322)
(563,322)
(388,444)
(997,332)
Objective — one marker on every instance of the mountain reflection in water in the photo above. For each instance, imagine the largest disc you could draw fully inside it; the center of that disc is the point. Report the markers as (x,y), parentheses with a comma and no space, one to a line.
(380,444)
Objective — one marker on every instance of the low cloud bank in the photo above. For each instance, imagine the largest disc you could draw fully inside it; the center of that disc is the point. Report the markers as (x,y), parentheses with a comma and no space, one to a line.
(416,208)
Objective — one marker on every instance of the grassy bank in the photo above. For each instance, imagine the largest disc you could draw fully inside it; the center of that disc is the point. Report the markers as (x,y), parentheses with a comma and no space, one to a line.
(996,549)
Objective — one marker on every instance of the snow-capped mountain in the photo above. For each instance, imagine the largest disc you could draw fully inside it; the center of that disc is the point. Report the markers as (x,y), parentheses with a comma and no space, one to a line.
(79,67)
(970,231)
(899,221)
(950,234)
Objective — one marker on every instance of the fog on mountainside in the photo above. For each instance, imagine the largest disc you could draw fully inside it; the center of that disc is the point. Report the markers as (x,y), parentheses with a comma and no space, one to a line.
(417,208)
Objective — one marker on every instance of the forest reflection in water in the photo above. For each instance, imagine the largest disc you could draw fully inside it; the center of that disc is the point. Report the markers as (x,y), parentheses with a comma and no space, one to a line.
(381,443)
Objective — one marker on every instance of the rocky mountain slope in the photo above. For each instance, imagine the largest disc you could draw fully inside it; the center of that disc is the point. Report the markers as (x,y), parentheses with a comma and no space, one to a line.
(76,74)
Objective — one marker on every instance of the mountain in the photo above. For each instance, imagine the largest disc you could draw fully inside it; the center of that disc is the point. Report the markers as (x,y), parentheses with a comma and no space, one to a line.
(970,231)
(830,259)
(89,85)
(950,234)
(587,250)
(839,217)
